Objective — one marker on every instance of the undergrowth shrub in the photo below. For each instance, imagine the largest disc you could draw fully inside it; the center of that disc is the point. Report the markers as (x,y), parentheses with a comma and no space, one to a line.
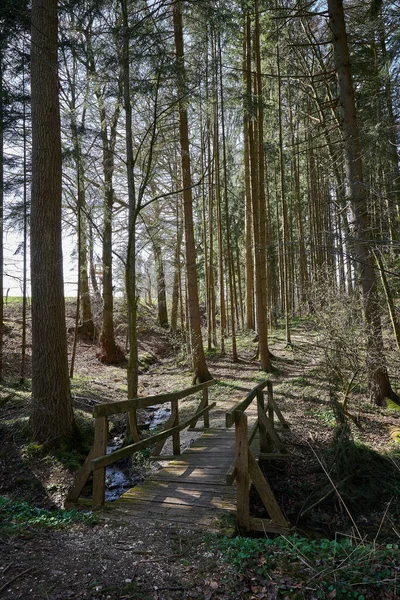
(302,568)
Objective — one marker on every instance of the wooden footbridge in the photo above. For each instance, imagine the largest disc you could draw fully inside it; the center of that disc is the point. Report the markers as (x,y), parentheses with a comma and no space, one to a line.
(205,484)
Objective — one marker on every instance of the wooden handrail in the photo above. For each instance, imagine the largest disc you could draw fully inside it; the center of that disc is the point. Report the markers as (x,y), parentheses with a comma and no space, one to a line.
(98,460)
(108,409)
(106,460)
(245,467)
(244,404)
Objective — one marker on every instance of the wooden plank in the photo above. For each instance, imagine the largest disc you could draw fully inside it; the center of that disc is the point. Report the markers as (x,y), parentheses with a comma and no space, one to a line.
(212,502)
(176,442)
(184,487)
(278,413)
(80,480)
(231,475)
(109,459)
(113,408)
(190,515)
(193,457)
(241,406)
(181,491)
(206,418)
(163,509)
(242,472)
(203,404)
(212,477)
(265,445)
(189,472)
(265,492)
(272,433)
(100,448)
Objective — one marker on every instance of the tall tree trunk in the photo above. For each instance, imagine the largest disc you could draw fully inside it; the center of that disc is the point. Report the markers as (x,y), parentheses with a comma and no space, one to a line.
(176,282)
(250,322)
(160,281)
(379,384)
(92,264)
(285,228)
(258,197)
(389,298)
(1,214)
(52,416)
(217,178)
(25,230)
(110,353)
(227,217)
(201,372)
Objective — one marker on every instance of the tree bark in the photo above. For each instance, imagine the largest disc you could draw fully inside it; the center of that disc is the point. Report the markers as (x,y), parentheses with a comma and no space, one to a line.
(1,213)
(201,372)
(378,379)
(52,416)
(258,216)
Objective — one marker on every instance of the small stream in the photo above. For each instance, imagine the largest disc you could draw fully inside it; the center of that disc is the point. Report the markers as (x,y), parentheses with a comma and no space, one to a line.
(119,477)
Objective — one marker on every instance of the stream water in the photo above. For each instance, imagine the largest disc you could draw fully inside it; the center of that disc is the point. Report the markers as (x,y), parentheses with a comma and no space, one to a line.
(119,476)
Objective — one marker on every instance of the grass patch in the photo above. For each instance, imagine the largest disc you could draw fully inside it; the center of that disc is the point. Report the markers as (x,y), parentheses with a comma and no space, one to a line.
(325,415)
(302,568)
(19,517)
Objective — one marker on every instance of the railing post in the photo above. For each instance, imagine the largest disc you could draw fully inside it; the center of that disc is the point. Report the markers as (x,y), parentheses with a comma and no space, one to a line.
(270,397)
(100,449)
(265,443)
(206,414)
(242,472)
(176,442)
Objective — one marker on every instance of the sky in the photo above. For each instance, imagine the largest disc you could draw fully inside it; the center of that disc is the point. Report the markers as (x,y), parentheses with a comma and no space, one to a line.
(13,266)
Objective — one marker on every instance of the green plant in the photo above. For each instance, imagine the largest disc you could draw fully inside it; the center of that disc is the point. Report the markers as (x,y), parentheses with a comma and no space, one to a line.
(298,566)
(325,415)
(17,517)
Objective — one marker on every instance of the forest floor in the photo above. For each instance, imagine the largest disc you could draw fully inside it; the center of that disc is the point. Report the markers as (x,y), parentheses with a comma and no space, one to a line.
(342,483)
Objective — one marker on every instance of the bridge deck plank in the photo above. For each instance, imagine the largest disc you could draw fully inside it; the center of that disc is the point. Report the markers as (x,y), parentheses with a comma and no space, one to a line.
(189,490)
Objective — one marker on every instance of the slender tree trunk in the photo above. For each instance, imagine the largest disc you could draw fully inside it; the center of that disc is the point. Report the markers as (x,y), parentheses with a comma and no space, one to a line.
(227,217)
(218,201)
(161,289)
(211,317)
(389,299)
(201,372)
(1,215)
(130,268)
(379,384)
(285,228)
(175,286)
(110,353)
(258,209)
(52,416)
(25,233)
(250,322)
(92,264)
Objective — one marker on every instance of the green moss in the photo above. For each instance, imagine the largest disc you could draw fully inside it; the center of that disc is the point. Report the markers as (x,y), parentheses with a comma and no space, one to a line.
(18,517)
